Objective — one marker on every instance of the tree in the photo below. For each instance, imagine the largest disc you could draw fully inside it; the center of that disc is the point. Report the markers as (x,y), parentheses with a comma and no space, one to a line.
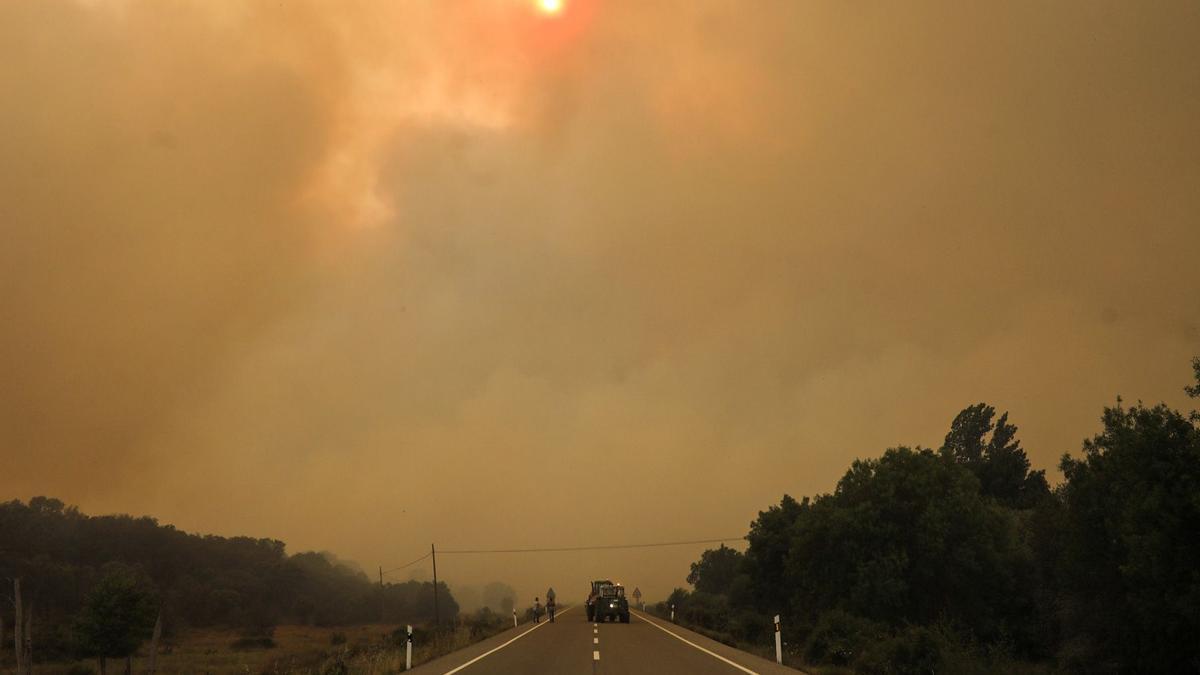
(998,462)
(1194,391)
(117,616)
(499,596)
(909,539)
(716,570)
(770,540)
(1131,560)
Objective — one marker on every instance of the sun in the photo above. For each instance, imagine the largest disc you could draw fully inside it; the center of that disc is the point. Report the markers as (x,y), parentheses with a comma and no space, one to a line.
(550,6)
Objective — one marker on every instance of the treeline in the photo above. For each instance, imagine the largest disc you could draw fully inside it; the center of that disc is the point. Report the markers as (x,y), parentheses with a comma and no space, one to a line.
(66,559)
(964,559)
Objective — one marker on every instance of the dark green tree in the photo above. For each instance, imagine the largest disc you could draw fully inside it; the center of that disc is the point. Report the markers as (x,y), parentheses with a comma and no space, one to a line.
(117,616)
(909,539)
(1131,558)
(716,570)
(997,461)
(770,540)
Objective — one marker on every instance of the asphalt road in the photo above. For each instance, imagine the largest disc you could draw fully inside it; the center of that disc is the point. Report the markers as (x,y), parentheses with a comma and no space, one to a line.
(573,645)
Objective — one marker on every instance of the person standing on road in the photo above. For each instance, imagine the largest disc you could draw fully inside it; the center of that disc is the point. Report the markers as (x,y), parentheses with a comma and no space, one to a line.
(550,605)
(537,611)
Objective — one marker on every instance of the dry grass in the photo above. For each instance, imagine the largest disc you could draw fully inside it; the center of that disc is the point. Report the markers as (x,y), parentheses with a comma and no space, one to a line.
(299,650)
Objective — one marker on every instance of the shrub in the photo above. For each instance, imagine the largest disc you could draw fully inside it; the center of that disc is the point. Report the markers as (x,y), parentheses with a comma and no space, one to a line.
(916,650)
(421,636)
(337,638)
(839,638)
(248,643)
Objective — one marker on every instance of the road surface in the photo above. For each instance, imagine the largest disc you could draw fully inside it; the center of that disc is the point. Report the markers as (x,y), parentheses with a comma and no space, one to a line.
(573,646)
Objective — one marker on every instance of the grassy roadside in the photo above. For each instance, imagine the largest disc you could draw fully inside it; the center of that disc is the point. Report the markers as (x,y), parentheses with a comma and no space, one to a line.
(760,650)
(374,649)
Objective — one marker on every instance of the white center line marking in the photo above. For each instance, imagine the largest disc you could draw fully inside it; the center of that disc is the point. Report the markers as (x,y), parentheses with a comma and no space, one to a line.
(496,649)
(595,656)
(693,644)
(595,641)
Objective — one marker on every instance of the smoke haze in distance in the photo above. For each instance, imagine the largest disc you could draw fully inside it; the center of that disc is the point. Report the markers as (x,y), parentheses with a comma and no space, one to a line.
(368,275)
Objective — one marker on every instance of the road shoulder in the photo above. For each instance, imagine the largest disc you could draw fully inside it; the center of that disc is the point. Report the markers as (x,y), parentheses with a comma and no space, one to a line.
(745,659)
(449,662)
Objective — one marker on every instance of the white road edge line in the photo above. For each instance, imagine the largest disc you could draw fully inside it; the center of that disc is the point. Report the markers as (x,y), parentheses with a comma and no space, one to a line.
(496,649)
(693,644)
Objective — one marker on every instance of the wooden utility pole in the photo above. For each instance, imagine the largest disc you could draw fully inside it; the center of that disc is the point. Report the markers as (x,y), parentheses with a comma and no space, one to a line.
(18,627)
(28,634)
(381,594)
(437,615)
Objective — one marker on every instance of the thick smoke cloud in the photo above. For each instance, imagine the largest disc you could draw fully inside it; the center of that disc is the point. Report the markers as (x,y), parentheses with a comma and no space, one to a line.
(369,275)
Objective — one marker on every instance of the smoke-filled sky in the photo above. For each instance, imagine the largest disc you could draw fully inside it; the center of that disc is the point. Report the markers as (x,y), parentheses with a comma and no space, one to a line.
(366,275)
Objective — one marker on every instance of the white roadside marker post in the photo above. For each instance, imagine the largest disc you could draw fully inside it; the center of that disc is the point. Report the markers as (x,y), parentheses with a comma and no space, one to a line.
(514,618)
(778,642)
(672,613)
(408,650)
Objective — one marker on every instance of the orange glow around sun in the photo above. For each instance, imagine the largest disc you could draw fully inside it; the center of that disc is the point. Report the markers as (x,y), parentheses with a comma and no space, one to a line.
(550,6)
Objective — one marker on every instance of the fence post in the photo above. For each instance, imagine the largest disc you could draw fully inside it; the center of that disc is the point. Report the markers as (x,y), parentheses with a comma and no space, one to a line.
(778,642)
(408,650)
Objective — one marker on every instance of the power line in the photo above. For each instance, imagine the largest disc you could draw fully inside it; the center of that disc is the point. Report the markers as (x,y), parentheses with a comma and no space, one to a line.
(595,548)
(394,569)
(564,549)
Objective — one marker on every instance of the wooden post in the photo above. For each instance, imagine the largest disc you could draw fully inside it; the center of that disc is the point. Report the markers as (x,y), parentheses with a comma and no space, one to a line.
(437,615)
(18,627)
(29,639)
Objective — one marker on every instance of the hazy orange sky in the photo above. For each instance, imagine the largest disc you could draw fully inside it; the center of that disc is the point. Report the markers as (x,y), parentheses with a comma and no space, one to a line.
(366,275)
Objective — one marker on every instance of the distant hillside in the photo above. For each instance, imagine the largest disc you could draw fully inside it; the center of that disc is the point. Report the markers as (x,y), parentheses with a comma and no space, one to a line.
(201,580)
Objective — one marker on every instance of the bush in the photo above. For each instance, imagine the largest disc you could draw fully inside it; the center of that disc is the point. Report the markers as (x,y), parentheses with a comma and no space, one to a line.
(484,623)
(248,643)
(916,650)
(337,638)
(421,636)
(839,638)
(705,610)
(751,626)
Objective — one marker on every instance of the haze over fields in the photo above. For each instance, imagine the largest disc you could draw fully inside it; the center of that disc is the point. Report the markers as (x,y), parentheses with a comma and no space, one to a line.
(367,275)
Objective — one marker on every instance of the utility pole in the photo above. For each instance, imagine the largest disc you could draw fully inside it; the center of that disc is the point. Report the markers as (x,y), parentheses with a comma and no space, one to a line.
(381,594)
(437,615)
